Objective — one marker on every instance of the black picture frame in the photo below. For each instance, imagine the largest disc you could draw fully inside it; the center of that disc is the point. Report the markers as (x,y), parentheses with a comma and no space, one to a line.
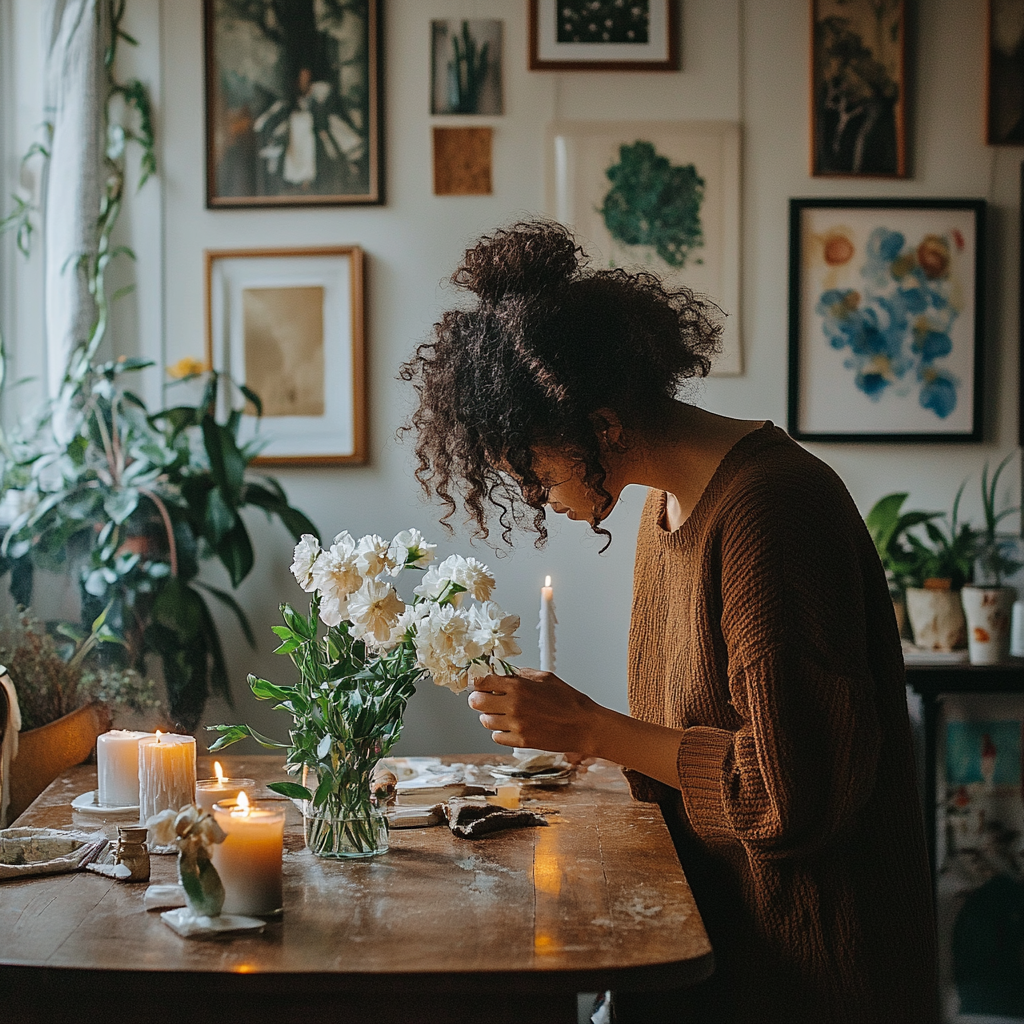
(886,320)
(1020,332)
(295,121)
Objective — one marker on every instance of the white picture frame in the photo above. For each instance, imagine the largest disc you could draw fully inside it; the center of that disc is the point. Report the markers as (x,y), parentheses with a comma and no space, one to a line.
(313,364)
(580,155)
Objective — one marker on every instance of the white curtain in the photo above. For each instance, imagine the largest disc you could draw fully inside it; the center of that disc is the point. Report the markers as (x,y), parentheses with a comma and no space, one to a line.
(75,34)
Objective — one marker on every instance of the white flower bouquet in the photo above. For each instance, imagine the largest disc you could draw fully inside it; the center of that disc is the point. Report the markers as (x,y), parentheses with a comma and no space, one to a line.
(356,674)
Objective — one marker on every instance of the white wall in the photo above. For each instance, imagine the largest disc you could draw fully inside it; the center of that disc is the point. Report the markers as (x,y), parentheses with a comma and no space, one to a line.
(743,60)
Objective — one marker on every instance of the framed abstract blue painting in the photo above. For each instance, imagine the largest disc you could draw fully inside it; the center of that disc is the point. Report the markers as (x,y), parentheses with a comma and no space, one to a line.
(886,320)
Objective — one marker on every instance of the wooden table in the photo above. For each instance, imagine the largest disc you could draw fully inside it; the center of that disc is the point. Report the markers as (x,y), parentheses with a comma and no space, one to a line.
(504,928)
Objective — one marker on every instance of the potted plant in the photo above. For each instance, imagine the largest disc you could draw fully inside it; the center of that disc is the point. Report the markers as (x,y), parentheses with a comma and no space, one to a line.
(65,697)
(988,603)
(130,504)
(931,569)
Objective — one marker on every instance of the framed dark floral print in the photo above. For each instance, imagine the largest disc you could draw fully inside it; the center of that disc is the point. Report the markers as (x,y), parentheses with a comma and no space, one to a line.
(292,103)
(604,35)
(886,319)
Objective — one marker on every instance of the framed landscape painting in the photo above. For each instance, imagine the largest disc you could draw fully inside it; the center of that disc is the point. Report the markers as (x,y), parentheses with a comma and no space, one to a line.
(292,103)
(858,88)
(886,319)
(660,196)
(288,323)
(604,35)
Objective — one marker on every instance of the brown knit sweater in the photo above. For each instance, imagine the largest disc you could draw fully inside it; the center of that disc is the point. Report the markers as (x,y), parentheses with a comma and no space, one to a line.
(763,628)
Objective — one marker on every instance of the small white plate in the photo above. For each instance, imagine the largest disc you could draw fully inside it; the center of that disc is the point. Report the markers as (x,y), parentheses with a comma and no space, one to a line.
(86,804)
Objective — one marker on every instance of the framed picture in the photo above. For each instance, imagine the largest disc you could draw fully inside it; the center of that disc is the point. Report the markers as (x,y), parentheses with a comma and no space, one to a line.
(604,35)
(1020,335)
(660,196)
(465,62)
(289,324)
(980,879)
(1004,82)
(885,319)
(858,88)
(292,103)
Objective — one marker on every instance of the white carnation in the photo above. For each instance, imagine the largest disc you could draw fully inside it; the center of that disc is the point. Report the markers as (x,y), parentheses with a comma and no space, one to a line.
(475,577)
(336,572)
(374,611)
(372,555)
(307,551)
(493,632)
(410,550)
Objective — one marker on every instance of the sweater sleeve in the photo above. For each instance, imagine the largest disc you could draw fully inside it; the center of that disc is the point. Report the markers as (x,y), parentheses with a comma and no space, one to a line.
(802,762)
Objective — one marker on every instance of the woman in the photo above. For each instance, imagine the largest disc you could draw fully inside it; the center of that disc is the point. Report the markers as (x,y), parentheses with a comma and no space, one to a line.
(768,715)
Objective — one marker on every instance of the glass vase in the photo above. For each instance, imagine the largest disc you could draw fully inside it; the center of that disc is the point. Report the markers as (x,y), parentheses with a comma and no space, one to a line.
(348,824)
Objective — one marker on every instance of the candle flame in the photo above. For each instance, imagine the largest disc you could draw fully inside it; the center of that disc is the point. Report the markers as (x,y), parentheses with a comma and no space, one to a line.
(547,581)
(158,736)
(242,803)
(219,772)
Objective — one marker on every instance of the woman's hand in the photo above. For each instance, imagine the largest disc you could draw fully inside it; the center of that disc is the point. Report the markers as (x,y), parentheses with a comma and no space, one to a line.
(536,709)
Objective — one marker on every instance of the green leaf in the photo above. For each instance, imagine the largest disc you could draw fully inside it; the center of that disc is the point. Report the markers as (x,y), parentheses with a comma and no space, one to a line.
(236,554)
(220,518)
(225,598)
(291,789)
(263,689)
(226,462)
(229,734)
(121,504)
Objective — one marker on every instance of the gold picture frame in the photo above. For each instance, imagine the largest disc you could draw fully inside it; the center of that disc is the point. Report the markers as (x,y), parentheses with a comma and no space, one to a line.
(290,325)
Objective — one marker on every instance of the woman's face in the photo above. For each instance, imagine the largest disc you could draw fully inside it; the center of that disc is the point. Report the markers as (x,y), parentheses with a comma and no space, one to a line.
(565,490)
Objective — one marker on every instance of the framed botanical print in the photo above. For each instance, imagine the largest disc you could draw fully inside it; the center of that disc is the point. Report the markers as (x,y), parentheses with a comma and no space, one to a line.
(289,324)
(292,103)
(660,196)
(858,88)
(886,319)
(604,35)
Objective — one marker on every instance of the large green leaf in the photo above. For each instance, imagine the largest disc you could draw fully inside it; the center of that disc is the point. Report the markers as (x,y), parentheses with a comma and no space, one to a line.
(226,462)
(220,518)
(235,552)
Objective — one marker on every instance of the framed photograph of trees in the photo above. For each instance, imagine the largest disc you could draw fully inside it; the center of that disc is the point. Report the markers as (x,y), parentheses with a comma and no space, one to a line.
(858,88)
(292,103)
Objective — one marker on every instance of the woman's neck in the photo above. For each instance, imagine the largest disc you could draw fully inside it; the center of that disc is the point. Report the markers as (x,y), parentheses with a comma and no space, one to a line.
(682,456)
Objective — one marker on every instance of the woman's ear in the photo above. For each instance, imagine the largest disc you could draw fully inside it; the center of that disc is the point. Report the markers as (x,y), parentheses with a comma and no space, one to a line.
(611,435)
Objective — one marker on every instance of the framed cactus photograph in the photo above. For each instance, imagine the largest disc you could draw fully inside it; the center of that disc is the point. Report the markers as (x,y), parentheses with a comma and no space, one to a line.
(465,62)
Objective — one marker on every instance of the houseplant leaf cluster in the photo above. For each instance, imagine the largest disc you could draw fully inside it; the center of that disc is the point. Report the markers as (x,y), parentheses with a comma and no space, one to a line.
(130,504)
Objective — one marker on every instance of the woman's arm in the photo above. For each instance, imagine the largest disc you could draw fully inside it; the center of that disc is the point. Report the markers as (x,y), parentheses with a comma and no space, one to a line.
(537,709)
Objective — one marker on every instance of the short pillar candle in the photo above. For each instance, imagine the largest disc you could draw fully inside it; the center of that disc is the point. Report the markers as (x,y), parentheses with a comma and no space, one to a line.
(249,861)
(210,791)
(167,774)
(117,767)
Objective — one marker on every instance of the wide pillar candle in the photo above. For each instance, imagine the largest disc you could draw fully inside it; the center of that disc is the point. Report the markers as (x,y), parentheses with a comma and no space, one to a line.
(211,791)
(167,774)
(249,861)
(117,767)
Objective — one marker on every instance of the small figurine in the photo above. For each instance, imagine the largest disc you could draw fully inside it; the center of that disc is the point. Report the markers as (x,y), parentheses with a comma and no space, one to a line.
(194,833)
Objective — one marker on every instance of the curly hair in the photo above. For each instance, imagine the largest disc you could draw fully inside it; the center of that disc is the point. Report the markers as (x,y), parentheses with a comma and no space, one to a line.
(548,342)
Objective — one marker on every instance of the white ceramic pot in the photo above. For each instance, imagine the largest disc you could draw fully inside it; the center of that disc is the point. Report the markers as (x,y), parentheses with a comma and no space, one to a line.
(988,623)
(936,619)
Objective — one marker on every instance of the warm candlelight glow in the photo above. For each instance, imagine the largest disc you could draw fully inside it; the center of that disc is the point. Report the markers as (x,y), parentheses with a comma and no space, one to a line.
(219,772)
(242,808)
(158,735)
(547,581)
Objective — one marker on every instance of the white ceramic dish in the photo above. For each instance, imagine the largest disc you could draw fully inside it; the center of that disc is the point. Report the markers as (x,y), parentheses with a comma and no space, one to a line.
(85,803)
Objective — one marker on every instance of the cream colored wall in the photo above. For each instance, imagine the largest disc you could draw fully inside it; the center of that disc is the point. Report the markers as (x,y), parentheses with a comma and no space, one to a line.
(744,61)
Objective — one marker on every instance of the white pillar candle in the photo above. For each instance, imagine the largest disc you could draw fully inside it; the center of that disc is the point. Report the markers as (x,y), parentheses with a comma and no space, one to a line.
(167,774)
(249,859)
(209,791)
(117,768)
(546,626)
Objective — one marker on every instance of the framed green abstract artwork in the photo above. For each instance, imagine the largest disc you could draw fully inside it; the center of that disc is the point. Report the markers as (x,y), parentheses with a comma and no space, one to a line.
(659,196)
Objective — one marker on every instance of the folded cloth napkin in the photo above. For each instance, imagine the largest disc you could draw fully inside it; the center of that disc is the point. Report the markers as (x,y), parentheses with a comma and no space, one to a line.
(471,820)
(47,851)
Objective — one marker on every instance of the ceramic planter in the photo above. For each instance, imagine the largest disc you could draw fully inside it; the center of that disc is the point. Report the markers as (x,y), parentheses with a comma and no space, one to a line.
(45,752)
(936,619)
(988,623)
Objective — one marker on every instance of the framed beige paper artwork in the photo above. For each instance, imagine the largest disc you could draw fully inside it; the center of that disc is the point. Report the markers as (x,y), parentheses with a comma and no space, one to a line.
(288,323)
